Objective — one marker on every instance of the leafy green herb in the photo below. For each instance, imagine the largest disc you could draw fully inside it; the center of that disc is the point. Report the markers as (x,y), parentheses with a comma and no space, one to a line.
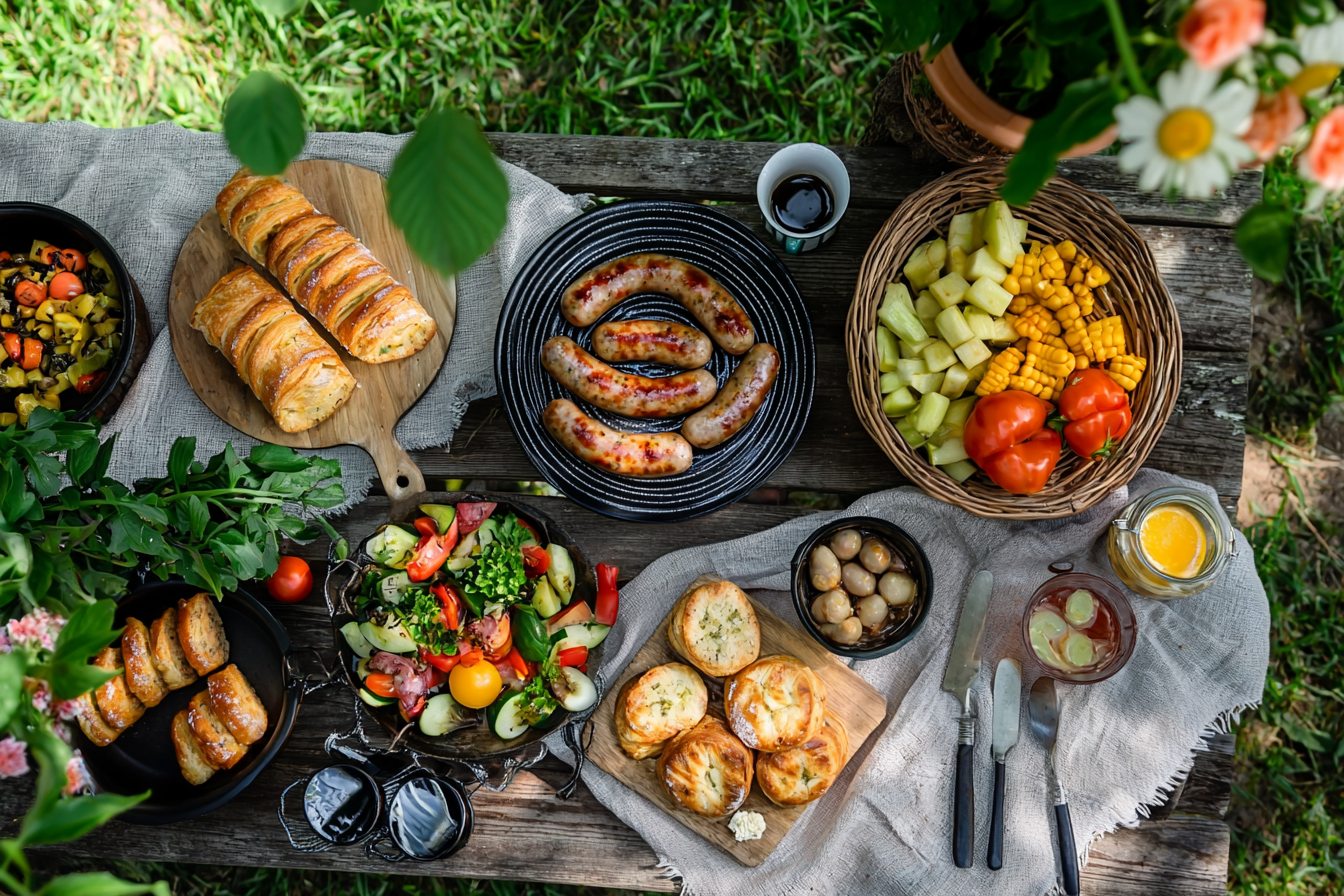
(263,123)
(425,623)
(497,576)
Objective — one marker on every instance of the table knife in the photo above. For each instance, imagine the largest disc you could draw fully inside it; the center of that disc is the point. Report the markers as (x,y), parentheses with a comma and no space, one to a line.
(1007,715)
(963,665)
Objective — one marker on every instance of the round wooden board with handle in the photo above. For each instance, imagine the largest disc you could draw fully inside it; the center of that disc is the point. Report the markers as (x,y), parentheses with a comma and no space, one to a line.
(353,196)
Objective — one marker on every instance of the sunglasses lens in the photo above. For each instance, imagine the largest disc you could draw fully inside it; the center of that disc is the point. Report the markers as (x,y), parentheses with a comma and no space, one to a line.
(421,819)
(341,804)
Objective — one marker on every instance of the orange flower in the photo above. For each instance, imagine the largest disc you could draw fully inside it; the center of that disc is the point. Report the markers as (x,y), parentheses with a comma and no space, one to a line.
(1323,162)
(1273,122)
(1216,32)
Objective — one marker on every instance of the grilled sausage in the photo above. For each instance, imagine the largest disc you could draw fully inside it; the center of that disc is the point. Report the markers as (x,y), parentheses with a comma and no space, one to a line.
(628,394)
(652,340)
(590,296)
(648,455)
(738,400)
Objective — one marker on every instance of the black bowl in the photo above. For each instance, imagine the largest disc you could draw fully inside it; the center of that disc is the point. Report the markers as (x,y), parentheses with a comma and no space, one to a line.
(142,758)
(900,540)
(23,222)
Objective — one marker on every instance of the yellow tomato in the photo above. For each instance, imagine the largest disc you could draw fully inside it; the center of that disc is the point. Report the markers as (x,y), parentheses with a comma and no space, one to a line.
(475,687)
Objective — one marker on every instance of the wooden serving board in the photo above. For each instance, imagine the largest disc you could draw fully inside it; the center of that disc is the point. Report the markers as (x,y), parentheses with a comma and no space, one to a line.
(353,196)
(854,701)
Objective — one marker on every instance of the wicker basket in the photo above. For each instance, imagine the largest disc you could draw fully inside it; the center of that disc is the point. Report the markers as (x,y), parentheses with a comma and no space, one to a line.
(1060,211)
(936,123)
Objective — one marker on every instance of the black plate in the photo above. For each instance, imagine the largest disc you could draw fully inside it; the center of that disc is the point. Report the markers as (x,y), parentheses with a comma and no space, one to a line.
(143,757)
(477,742)
(746,267)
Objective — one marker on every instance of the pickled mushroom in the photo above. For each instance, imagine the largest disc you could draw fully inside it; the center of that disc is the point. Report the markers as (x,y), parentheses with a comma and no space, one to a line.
(897,589)
(875,556)
(825,568)
(857,580)
(833,607)
(871,611)
(846,543)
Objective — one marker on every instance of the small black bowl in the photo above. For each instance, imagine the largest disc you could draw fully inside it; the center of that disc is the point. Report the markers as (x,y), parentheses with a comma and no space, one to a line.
(23,222)
(899,540)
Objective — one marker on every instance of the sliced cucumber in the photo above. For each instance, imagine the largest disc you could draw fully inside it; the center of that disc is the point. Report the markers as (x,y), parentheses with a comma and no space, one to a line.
(442,714)
(486,533)
(586,635)
(544,599)
(465,546)
(391,637)
(362,670)
(506,716)
(575,691)
(457,564)
(561,571)
(358,643)
(373,699)
(393,588)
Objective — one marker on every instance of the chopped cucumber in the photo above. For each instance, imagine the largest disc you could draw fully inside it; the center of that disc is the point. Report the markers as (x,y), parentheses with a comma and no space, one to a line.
(1021,229)
(560,572)
(952,326)
(959,411)
(961,470)
(978,371)
(949,290)
(898,314)
(393,588)
(1001,233)
(949,451)
(957,260)
(913,350)
(955,380)
(362,670)
(442,714)
(927,308)
(981,324)
(973,352)
(982,264)
(928,416)
(908,432)
(961,232)
(506,716)
(889,382)
(939,356)
(989,296)
(544,599)
(392,637)
(1081,608)
(909,368)
(358,643)
(575,691)
(441,514)
(978,227)
(926,263)
(466,545)
(392,546)
(887,353)
(927,382)
(898,403)
(373,699)
(588,634)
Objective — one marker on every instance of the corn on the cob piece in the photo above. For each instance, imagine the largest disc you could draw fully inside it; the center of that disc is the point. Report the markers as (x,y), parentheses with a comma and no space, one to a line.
(1020,302)
(1127,370)
(1052,264)
(1067,250)
(1108,338)
(1036,323)
(1029,379)
(1056,361)
(1074,329)
(1081,362)
(1083,298)
(1054,295)
(1004,365)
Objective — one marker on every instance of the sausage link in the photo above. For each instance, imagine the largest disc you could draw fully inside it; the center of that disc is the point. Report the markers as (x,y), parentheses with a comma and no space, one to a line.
(628,394)
(647,455)
(590,296)
(738,400)
(663,341)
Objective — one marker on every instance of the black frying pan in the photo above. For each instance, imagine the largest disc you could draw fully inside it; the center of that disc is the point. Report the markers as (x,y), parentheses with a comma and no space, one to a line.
(142,758)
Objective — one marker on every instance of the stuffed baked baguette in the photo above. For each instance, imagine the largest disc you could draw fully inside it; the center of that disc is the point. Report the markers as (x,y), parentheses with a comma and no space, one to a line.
(298,377)
(325,269)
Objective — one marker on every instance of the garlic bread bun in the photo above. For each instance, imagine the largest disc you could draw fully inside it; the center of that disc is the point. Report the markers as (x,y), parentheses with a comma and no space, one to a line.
(802,774)
(658,704)
(714,628)
(774,704)
(706,769)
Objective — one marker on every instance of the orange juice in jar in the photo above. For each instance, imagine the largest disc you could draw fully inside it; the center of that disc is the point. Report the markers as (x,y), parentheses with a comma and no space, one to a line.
(1172,542)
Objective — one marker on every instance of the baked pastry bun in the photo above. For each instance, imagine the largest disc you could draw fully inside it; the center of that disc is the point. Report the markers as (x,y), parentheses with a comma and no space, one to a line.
(774,704)
(220,747)
(195,765)
(802,774)
(169,658)
(92,723)
(201,633)
(115,701)
(236,703)
(142,676)
(706,769)
(714,628)
(656,705)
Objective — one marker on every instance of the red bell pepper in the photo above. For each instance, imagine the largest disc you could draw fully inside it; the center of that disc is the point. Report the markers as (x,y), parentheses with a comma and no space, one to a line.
(535,560)
(426,526)
(14,346)
(1097,411)
(608,595)
(89,382)
(1004,437)
(437,677)
(451,617)
(442,661)
(32,354)
(1025,468)
(518,664)
(573,656)
(432,551)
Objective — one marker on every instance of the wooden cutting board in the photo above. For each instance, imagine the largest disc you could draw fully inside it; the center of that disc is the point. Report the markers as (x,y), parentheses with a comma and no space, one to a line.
(857,704)
(353,196)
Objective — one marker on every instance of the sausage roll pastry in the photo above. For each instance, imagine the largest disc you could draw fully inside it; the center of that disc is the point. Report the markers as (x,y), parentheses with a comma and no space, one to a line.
(116,703)
(237,705)
(201,633)
(142,676)
(169,657)
(298,377)
(195,765)
(220,748)
(325,269)
(92,723)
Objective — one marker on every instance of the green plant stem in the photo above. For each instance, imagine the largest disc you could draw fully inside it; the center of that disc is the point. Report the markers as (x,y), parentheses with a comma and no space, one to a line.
(1127,58)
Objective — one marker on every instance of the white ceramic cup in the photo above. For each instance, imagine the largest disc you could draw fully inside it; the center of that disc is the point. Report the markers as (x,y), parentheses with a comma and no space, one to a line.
(803,158)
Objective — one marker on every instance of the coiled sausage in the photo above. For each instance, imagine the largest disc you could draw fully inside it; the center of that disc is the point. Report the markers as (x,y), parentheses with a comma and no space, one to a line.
(663,341)
(738,400)
(628,394)
(647,455)
(590,296)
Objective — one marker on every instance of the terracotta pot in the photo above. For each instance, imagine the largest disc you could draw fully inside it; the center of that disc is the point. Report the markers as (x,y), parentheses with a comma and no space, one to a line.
(1000,126)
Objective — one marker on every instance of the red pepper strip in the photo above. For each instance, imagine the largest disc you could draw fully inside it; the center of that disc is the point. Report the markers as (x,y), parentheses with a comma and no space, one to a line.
(429,555)
(535,560)
(89,382)
(515,659)
(502,653)
(573,656)
(452,607)
(426,526)
(608,596)
(584,668)
(14,345)
(472,657)
(442,661)
(32,354)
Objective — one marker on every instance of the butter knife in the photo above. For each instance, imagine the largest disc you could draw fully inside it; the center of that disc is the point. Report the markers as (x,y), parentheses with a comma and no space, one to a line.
(1007,715)
(963,665)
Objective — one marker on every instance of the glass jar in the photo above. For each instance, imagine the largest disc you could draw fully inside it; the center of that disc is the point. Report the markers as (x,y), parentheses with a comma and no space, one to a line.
(1137,569)
(1112,623)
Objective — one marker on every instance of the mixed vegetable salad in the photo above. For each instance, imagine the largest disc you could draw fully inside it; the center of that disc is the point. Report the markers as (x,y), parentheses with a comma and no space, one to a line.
(60,322)
(470,612)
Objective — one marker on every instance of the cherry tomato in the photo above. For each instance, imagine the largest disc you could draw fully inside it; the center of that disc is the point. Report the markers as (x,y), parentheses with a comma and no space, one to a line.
(88,383)
(66,285)
(32,354)
(292,580)
(475,686)
(535,560)
(30,293)
(381,684)
(48,255)
(73,260)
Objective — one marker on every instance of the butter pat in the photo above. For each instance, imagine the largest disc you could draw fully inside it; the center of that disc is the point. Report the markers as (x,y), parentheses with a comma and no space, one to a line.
(747,826)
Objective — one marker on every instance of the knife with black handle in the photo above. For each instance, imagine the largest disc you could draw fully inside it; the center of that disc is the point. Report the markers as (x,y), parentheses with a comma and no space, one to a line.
(963,665)
(1007,715)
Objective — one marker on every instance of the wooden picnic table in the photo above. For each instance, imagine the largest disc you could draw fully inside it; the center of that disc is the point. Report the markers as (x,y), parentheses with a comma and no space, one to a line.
(525,831)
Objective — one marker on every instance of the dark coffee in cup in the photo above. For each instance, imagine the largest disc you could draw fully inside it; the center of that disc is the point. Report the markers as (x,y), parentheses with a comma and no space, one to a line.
(802,203)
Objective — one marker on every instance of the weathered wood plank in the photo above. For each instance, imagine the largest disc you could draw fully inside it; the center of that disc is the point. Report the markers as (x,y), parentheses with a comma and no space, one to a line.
(1182,856)
(880,176)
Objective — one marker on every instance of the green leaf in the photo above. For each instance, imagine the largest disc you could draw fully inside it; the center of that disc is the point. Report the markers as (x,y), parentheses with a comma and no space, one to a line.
(326,496)
(263,123)
(1033,69)
(906,26)
(12,668)
(180,457)
(1084,111)
(88,631)
(1064,10)
(1314,740)
(1264,236)
(104,458)
(277,458)
(72,818)
(366,7)
(447,193)
(199,515)
(52,755)
(280,9)
(79,461)
(953,16)
(100,883)
(989,54)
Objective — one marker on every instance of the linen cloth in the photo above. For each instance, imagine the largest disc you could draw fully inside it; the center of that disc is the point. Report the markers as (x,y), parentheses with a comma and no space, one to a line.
(145,188)
(886,825)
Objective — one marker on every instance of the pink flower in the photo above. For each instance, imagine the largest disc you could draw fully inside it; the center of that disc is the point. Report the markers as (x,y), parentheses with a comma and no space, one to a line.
(1217,32)
(1273,123)
(76,776)
(67,710)
(13,758)
(1323,162)
(41,695)
(37,628)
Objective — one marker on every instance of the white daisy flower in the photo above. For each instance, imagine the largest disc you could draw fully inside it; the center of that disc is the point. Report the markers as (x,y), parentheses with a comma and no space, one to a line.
(1186,140)
(1322,49)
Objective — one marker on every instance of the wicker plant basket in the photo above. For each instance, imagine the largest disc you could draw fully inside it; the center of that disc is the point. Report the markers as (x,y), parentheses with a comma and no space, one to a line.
(936,123)
(1060,211)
